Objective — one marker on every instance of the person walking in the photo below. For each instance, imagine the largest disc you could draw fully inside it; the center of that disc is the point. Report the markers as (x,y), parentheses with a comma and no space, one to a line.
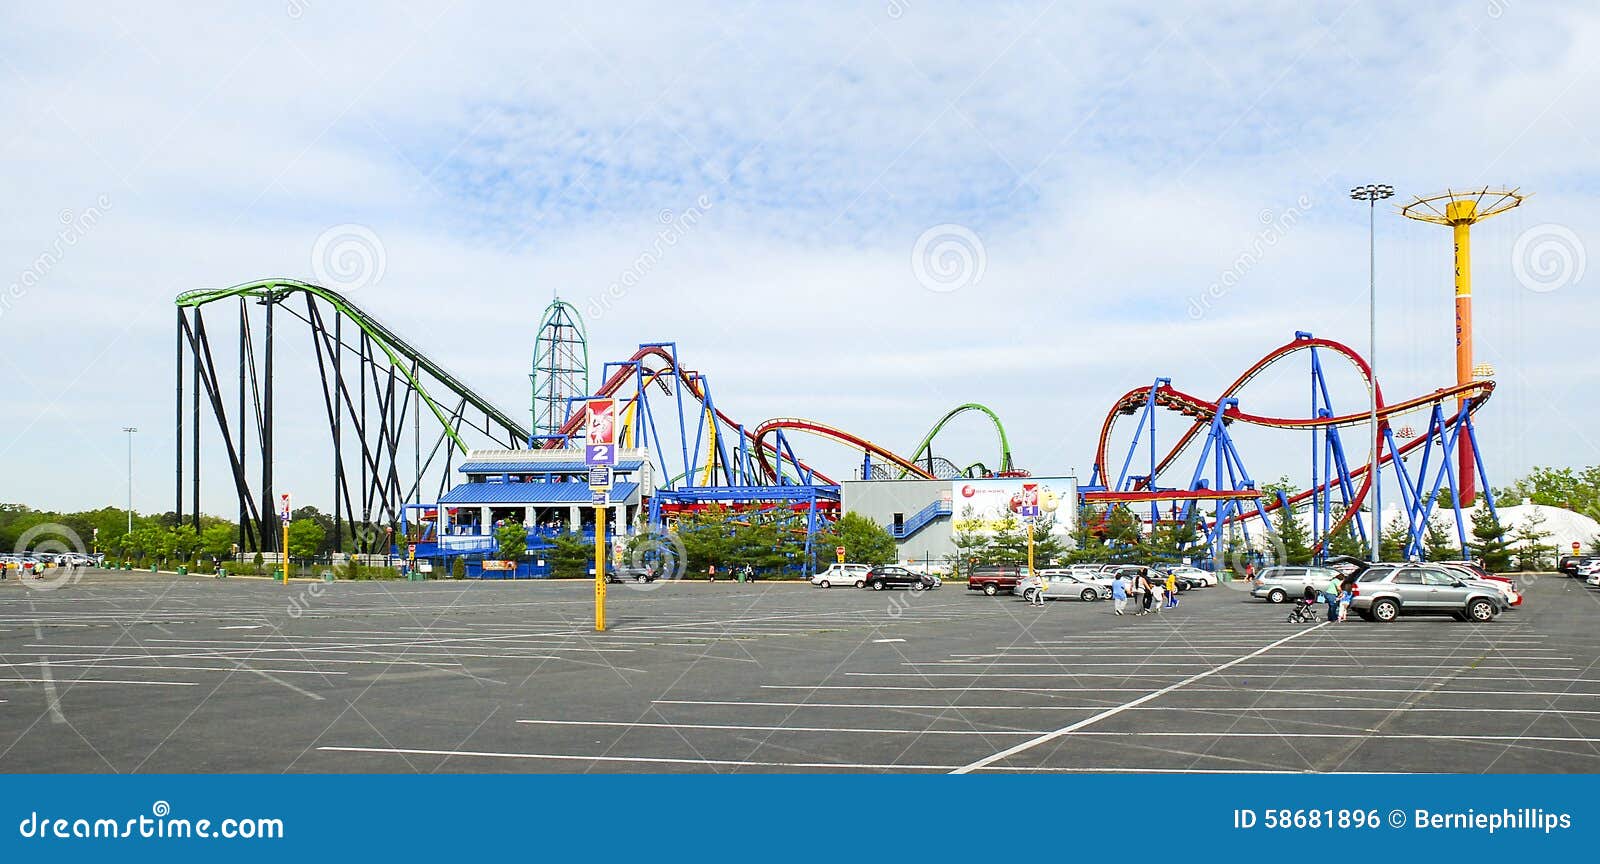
(1141,586)
(1347,592)
(1158,595)
(1119,594)
(1250,572)
(1172,590)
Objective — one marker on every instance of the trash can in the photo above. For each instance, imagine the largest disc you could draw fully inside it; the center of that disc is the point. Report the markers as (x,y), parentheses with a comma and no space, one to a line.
(222,572)
(152,568)
(327,575)
(182,570)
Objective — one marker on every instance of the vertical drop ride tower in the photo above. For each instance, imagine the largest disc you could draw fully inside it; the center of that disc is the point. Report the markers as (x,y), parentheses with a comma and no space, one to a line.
(1462,210)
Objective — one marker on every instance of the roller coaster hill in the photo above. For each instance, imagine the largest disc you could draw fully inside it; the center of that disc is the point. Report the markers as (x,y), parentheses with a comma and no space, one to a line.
(465,465)
(415,455)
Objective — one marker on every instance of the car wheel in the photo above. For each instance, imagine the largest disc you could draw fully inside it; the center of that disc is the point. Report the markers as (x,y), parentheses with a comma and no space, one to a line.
(1090,595)
(917,586)
(991,589)
(877,586)
(860,583)
(1277,595)
(1385,610)
(1481,610)
(1027,595)
(825,583)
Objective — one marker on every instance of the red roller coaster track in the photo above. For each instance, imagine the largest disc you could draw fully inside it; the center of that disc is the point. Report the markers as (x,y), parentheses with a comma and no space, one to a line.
(1475,393)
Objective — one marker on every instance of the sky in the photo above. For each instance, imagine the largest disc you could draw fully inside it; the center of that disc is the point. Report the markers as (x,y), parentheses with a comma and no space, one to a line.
(900,206)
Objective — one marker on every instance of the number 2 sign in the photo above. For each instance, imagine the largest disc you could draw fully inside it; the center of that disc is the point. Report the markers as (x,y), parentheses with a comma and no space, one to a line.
(600,432)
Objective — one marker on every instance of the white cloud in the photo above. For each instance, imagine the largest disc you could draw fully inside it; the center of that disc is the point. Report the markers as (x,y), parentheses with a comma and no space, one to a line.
(1115,166)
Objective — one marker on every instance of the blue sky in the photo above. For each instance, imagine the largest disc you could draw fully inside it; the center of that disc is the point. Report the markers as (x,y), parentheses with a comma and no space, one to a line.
(1112,163)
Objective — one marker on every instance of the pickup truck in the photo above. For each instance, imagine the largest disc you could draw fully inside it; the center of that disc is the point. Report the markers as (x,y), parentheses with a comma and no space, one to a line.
(994,579)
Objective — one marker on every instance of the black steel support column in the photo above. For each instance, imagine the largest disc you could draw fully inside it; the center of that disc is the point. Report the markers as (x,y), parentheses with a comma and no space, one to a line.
(244,339)
(269,513)
(338,435)
(177,437)
(195,421)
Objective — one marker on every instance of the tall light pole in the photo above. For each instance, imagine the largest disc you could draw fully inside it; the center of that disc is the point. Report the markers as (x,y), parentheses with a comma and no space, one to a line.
(130,430)
(1372,193)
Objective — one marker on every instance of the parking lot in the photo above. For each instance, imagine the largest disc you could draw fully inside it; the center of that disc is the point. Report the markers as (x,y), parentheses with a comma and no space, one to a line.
(120,672)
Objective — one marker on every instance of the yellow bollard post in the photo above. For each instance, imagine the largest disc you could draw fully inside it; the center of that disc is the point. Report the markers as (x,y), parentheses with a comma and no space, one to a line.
(1030,547)
(599,569)
(286,552)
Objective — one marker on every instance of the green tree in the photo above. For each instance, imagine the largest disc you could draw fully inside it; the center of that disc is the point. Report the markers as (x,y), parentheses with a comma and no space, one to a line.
(1009,544)
(1086,544)
(570,555)
(1123,534)
(511,539)
(1394,539)
(1438,544)
(185,542)
(1294,537)
(1533,553)
(864,540)
(1049,549)
(1347,543)
(458,567)
(707,539)
(970,540)
(1491,544)
(305,538)
(217,540)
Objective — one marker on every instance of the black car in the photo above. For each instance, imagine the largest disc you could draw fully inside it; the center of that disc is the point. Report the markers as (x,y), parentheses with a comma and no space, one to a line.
(892,576)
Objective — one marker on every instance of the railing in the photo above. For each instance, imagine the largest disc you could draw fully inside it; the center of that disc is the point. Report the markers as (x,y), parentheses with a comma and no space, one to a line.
(920,519)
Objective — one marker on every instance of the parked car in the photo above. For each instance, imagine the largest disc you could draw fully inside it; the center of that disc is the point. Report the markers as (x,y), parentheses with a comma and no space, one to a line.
(1590,573)
(1473,573)
(1384,592)
(1065,585)
(994,579)
(624,573)
(1569,564)
(895,576)
(854,575)
(1277,584)
(1195,576)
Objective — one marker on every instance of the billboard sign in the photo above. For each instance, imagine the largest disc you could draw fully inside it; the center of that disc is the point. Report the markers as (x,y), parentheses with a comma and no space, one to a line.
(986,506)
(600,432)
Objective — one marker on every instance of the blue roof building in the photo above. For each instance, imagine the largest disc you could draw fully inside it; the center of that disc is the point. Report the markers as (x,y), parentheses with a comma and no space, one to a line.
(546,490)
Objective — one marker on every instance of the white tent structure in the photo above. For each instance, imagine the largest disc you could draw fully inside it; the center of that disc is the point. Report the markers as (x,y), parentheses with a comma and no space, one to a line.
(1564,526)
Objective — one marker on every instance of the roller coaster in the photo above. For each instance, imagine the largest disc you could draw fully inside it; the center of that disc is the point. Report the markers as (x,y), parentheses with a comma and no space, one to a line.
(368,379)
(1335,499)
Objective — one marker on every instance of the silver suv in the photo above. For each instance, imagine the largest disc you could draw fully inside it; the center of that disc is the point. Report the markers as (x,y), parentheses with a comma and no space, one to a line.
(1386,591)
(1277,584)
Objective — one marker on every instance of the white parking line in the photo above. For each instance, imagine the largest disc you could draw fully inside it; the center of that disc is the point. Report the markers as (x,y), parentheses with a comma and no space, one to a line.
(876,706)
(745,763)
(1291,664)
(1112,712)
(649,760)
(742,728)
(1442,673)
(76,681)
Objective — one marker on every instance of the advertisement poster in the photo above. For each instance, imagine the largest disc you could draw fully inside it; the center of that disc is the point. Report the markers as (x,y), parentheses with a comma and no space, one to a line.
(984,504)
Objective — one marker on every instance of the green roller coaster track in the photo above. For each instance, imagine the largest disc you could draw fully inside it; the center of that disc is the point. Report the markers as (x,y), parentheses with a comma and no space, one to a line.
(1000,430)
(395,348)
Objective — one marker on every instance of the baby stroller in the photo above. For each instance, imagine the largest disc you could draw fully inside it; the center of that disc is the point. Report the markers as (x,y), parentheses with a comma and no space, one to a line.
(1305,608)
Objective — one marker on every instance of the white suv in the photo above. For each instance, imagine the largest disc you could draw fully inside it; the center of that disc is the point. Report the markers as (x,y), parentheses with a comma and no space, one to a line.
(842,574)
